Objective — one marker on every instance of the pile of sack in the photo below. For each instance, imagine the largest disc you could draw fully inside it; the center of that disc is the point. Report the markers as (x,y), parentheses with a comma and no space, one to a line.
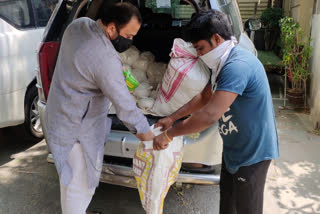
(148,72)
(165,88)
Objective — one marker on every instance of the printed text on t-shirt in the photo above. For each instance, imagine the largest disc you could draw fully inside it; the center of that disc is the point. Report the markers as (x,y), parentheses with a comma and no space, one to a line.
(227,126)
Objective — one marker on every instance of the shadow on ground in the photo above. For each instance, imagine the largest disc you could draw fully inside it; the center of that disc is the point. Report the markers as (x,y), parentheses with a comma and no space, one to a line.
(29,184)
(295,179)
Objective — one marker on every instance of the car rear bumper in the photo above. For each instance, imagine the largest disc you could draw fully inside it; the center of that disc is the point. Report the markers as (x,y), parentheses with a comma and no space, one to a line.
(124,176)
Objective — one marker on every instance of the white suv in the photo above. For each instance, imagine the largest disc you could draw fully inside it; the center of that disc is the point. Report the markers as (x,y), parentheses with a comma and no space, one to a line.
(160,27)
(22,24)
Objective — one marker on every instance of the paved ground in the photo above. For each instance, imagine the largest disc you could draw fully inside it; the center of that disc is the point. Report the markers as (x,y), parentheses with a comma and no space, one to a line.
(28,184)
(293,185)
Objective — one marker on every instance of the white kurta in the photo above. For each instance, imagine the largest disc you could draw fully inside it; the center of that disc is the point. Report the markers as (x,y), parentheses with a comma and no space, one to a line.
(88,76)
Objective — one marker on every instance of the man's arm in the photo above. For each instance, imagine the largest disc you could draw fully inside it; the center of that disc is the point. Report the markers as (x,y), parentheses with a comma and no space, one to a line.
(193,105)
(109,78)
(202,119)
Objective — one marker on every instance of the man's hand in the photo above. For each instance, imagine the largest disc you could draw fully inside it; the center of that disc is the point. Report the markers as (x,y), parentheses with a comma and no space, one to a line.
(146,136)
(165,123)
(160,142)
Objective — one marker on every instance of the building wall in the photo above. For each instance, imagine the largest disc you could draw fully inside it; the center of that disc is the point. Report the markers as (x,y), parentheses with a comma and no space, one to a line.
(301,11)
(307,13)
(315,68)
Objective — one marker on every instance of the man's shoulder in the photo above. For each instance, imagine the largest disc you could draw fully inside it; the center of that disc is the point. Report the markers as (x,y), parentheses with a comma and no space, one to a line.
(240,55)
(238,51)
(76,27)
(241,59)
(82,21)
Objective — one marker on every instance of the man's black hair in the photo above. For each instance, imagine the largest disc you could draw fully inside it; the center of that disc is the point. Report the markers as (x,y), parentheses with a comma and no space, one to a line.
(120,14)
(207,23)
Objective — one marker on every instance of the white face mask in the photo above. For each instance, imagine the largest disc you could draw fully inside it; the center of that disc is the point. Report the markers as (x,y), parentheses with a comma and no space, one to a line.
(216,58)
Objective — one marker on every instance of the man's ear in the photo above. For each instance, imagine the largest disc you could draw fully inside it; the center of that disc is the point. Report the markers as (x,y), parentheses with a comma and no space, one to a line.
(111,27)
(111,30)
(217,38)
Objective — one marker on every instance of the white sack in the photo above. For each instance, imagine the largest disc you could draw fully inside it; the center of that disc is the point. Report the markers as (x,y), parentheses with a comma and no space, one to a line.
(185,77)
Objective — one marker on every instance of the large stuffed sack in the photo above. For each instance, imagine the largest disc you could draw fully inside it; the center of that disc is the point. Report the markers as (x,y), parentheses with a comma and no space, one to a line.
(185,77)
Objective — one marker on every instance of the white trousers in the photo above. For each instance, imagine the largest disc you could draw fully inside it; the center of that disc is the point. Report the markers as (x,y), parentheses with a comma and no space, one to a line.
(76,197)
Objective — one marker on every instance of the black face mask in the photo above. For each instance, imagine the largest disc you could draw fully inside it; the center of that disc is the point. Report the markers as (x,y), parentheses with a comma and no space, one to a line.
(121,44)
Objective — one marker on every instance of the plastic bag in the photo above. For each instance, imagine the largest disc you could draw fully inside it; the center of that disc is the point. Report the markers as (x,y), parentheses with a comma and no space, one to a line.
(131,81)
(141,64)
(155,171)
(127,67)
(129,56)
(146,103)
(141,76)
(154,94)
(148,55)
(155,73)
(143,90)
(185,77)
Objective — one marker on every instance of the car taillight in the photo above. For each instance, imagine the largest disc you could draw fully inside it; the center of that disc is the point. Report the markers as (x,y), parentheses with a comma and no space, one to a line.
(47,58)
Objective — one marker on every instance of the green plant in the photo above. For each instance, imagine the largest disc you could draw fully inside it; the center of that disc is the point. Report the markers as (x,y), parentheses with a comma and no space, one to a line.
(296,54)
(270,20)
(270,17)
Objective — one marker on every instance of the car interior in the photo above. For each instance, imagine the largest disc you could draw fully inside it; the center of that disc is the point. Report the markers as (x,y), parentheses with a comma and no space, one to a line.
(159,29)
(160,25)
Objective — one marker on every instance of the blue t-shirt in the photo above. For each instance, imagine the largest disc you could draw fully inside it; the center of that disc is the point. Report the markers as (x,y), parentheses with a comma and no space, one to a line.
(248,128)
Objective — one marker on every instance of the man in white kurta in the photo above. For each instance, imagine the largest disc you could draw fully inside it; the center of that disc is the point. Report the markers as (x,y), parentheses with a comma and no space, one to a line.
(88,77)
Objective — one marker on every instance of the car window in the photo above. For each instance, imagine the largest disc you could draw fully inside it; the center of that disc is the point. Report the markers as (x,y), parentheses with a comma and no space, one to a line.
(16,13)
(43,10)
(230,8)
(179,11)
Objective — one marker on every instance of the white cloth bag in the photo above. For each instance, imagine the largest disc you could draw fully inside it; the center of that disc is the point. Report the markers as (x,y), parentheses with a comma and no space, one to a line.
(186,76)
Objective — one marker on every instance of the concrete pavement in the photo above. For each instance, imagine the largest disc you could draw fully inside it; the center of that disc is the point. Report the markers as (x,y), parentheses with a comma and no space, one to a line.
(28,184)
(293,184)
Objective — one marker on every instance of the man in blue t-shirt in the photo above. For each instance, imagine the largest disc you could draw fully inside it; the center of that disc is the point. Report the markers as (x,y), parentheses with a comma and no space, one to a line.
(239,97)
